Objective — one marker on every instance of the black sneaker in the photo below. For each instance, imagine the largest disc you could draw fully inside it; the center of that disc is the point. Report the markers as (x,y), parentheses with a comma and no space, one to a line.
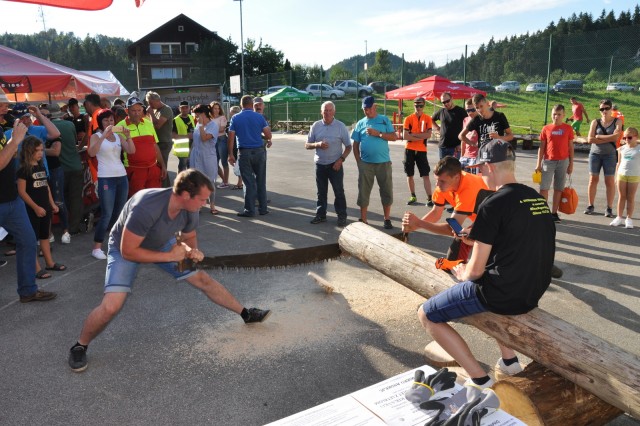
(387,224)
(449,209)
(609,213)
(556,218)
(589,210)
(318,219)
(78,358)
(429,203)
(3,263)
(38,296)
(256,315)
(342,222)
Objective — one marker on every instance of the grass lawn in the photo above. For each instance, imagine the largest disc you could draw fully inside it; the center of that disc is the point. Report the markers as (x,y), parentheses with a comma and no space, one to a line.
(523,110)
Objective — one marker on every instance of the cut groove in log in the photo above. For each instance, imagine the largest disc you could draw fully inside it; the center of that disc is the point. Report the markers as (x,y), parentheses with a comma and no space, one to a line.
(586,360)
(538,396)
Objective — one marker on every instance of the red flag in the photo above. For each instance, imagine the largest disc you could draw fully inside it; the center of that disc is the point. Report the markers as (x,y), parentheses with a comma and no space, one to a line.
(139,3)
(76,4)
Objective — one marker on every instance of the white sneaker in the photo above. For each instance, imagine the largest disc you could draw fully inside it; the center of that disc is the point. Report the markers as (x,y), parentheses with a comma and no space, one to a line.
(628,223)
(52,239)
(98,254)
(66,238)
(474,390)
(617,221)
(507,370)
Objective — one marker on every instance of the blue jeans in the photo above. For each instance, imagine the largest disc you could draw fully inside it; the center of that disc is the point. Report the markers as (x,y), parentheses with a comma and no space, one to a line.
(56,182)
(183,163)
(253,169)
(223,150)
(14,218)
(444,151)
(324,175)
(113,195)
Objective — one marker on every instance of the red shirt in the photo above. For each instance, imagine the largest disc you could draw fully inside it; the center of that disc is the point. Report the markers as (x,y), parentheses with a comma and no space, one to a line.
(558,138)
(577,109)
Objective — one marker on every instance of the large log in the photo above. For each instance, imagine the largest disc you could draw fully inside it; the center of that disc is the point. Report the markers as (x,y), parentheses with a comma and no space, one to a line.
(538,397)
(581,357)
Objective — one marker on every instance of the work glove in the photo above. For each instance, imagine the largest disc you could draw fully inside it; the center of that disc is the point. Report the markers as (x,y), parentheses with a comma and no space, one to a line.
(423,390)
(471,413)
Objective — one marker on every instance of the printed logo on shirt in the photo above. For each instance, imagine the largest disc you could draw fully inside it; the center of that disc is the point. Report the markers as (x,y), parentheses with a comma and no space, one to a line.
(558,132)
(40,183)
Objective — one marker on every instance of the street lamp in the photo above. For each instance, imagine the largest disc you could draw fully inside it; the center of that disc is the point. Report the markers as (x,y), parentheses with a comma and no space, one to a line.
(242,50)
(366,80)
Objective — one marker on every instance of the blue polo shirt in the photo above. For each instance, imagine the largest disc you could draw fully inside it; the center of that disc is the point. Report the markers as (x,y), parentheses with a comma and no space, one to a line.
(373,149)
(248,125)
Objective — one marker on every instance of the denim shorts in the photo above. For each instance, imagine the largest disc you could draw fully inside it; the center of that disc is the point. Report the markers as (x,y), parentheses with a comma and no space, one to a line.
(456,302)
(606,162)
(121,273)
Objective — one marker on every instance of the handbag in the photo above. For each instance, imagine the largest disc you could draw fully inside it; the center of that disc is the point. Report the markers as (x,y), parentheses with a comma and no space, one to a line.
(568,199)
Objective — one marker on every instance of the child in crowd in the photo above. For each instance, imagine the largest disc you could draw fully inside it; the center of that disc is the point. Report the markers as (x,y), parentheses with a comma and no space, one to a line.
(33,188)
(469,150)
(628,176)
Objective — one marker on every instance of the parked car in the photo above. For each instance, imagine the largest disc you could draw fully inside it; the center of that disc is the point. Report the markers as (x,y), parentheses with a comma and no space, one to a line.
(324,90)
(508,86)
(382,86)
(569,86)
(273,89)
(538,87)
(620,87)
(460,82)
(482,85)
(352,87)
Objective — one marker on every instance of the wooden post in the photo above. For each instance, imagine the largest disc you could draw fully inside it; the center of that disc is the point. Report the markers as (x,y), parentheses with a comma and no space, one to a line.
(586,360)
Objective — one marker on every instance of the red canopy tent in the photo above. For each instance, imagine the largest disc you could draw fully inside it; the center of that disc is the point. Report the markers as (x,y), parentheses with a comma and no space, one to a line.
(76,4)
(22,73)
(432,88)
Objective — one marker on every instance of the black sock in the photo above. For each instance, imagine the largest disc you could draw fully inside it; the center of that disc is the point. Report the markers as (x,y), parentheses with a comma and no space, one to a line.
(413,194)
(481,380)
(510,361)
(244,314)
(78,344)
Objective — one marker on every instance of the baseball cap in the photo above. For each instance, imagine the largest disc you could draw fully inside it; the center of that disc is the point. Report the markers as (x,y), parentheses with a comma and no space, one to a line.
(419,101)
(20,110)
(184,103)
(368,102)
(55,111)
(258,100)
(133,101)
(495,151)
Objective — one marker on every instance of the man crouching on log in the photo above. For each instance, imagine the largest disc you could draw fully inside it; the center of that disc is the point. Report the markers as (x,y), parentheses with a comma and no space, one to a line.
(513,241)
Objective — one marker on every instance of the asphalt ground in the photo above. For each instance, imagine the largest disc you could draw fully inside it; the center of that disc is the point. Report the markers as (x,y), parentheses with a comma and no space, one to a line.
(172,357)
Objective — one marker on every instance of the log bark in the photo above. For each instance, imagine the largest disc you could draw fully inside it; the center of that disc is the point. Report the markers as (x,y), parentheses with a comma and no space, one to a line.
(538,396)
(581,357)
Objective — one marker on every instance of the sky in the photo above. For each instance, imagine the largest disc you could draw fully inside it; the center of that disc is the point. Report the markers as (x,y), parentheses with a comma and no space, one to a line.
(323,33)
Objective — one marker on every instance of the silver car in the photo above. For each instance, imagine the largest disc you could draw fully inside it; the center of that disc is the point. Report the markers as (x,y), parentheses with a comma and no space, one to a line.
(324,90)
(620,87)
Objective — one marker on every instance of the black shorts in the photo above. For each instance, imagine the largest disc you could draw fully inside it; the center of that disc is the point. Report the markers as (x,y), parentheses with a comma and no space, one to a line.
(413,158)
(41,225)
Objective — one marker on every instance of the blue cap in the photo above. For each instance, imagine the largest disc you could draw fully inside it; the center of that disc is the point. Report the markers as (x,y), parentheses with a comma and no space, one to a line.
(20,110)
(368,102)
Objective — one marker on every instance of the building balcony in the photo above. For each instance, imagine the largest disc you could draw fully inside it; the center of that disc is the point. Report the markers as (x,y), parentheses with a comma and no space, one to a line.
(182,59)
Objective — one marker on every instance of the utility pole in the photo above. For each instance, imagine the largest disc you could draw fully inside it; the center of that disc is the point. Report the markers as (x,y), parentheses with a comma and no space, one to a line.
(244,83)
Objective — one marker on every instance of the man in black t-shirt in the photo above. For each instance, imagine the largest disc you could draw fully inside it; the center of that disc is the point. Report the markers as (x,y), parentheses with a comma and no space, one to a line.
(77,118)
(489,124)
(513,241)
(450,118)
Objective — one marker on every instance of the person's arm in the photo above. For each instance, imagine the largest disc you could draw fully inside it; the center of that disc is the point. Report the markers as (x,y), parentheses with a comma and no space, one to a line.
(157,122)
(435,117)
(127,142)
(230,143)
(267,135)
(96,142)
(87,128)
(619,161)
(54,149)
(586,116)
(592,132)
(463,134)
(508,135)
(356,150)
(52,203)
(571,154)
(131,250)
(11,147)
(541,151)
(52,130)
(160,160)
(477,264)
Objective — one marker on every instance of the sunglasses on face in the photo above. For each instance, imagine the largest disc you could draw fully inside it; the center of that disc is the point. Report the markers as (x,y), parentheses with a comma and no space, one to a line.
(418,105)
(471,110)
(628,138)
(603,109)
(446,101)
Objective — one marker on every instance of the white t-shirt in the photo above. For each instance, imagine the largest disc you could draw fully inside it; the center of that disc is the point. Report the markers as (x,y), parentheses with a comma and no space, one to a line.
(630,161)
(109,162)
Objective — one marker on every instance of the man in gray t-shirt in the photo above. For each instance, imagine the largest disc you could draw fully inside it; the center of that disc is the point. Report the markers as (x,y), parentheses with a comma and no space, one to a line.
(146,233)
(328,137)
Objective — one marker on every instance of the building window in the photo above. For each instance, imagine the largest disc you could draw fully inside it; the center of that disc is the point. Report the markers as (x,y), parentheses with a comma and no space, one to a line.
(164,48)
(180,28)
(190,48)
(166,73)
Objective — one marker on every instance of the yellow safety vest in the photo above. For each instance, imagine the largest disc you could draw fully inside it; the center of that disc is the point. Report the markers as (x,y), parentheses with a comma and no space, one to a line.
(181,145)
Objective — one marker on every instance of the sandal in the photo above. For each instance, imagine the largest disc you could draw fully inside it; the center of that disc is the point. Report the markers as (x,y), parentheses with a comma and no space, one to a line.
(236,187)
(42,274)
(214,212)
(10,253)
(56,267)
